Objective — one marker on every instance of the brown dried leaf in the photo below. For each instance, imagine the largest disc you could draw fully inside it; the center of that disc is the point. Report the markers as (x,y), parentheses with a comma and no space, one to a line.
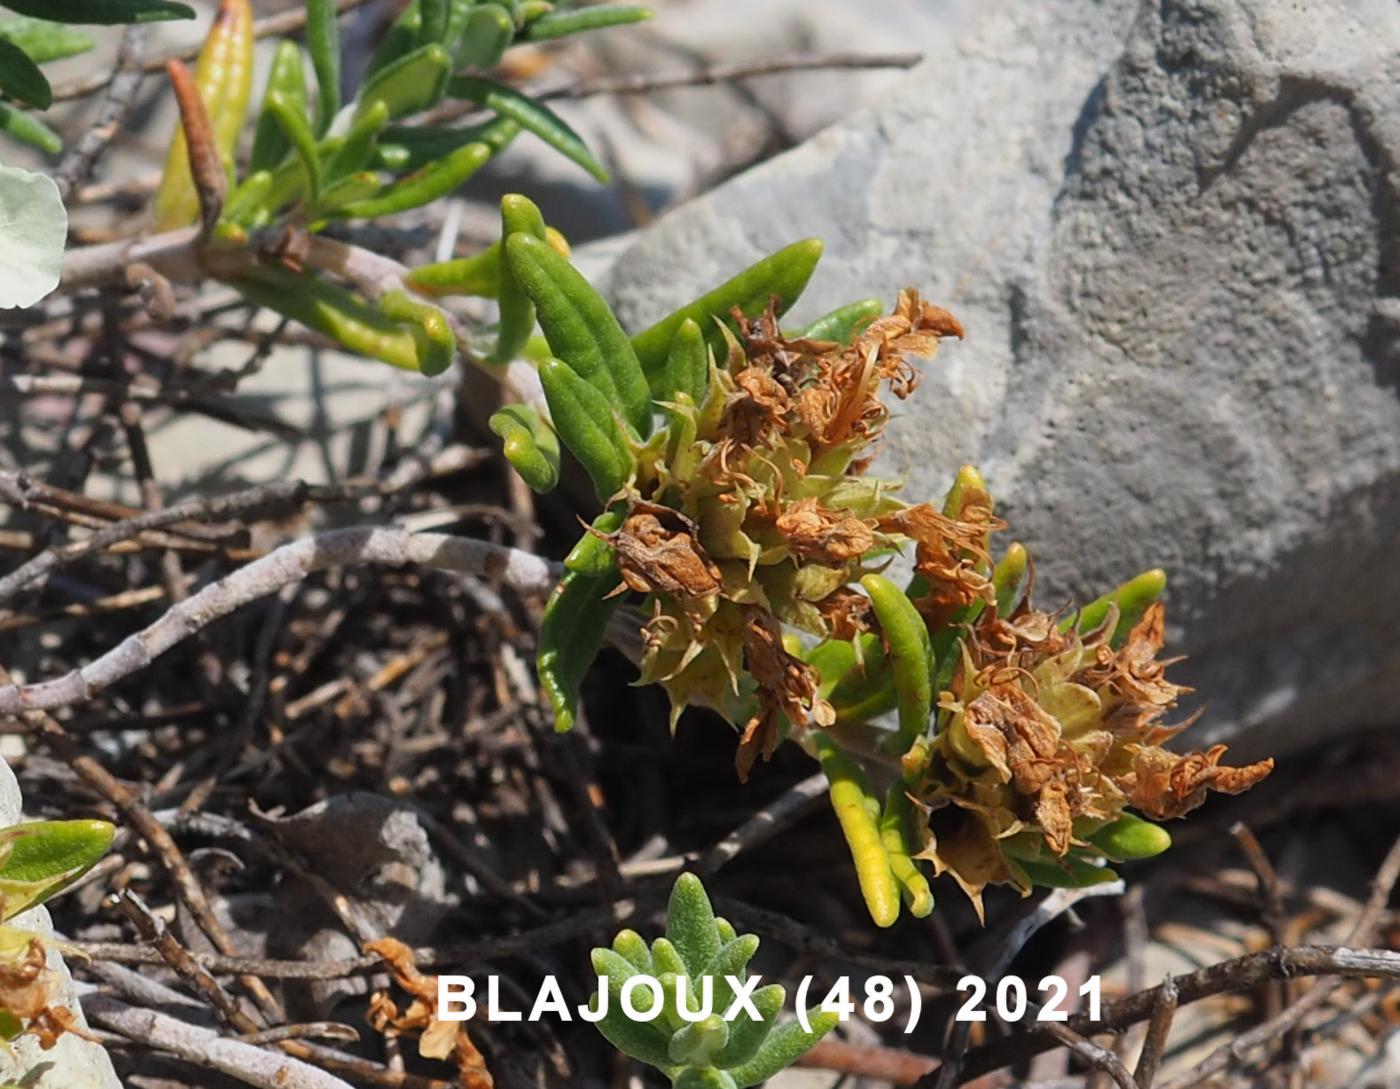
(757,411)
(968,852)
(1055,815)
(53,1022)
(950,553)
(437,1039)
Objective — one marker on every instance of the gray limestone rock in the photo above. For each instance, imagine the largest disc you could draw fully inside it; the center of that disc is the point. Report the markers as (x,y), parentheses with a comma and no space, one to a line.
(1172,231)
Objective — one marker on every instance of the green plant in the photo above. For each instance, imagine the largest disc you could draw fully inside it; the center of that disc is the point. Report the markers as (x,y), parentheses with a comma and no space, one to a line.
(319,162)
(700,955)
(31,248)
(38,861)
(730,457)
(40,35)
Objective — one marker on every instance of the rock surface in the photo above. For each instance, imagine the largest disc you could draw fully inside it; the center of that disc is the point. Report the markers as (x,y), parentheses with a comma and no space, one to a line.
(72,1063)
(1172,231)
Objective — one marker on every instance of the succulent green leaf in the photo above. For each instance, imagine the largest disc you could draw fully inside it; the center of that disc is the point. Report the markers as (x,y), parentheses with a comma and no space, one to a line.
(356,150)
(519,215)
(560,24)
(1132,600)
(297,131)
(703,1077)
(732,957)
(45,41)
(323,43)
(668,959)
(1011,579)
(785,1045)
(585,421)
(746,1035)
(435,15)
(350,189)
(401,39)
(633,948)
(642,1040)
(783,275)
(249,198)
(895,820)
(101,12)
(592,554)
(478,275)
(530,115)
(47,856)
(695,1044)
(330,309)
(414,82)
(427,185)
(581,328)
(20,77)
(843,323)
(571,634)
(614,967)
(1067,873)
(857,811)
(867,690)
(489,30)
(687,365)
(529,444)
(404,147)
(910,655)
(431,331)
(690,924)
(29,129)
(833,659)
(286,77)
(1130,838)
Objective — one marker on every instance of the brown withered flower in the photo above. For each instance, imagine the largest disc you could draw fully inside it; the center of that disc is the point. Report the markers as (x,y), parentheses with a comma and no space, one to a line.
(750,512)
(787,688)
(950,553)
(814,532)
(1047,735)
(658,551)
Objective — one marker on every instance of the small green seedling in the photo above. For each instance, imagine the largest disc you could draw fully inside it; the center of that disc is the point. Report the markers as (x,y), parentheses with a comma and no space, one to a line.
(683,989)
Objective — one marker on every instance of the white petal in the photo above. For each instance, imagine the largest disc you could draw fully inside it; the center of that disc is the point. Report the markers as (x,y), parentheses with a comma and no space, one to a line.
(33,229)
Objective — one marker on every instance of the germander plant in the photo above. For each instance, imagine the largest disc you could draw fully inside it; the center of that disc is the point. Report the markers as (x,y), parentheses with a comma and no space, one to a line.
(260,224)
(730,456)
(964,730)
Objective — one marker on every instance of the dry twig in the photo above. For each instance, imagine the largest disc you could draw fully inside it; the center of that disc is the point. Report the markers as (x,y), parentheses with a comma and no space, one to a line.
(522,571)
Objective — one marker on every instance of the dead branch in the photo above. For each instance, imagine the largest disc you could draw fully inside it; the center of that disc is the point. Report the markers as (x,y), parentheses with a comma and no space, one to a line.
(205,1048)
(644,82)
(380,545)
(1239,974)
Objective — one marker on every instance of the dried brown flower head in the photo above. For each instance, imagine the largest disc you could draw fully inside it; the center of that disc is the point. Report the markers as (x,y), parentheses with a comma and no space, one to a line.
(1047,735)
(752,512)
